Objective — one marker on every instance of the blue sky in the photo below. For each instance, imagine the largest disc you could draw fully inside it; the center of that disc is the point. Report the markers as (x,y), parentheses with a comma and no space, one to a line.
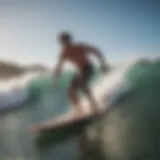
(120,28)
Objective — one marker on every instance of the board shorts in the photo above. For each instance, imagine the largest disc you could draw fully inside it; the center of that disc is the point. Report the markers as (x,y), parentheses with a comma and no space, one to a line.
(81,80)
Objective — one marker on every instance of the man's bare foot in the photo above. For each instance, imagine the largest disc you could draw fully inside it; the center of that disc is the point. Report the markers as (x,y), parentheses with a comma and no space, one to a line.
(78,112)
(97,111)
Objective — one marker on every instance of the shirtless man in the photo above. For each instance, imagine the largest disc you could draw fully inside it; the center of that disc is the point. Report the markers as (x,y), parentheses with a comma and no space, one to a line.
(78,55)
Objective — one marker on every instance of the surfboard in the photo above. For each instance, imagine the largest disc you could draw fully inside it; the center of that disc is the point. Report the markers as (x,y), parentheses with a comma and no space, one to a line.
(62,121)
(101,91)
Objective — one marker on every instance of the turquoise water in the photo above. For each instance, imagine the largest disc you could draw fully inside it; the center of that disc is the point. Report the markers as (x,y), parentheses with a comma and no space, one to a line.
(46,102)
(132,131)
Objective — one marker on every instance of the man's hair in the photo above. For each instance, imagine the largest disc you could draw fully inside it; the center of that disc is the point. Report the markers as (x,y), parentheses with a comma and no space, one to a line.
(65,36)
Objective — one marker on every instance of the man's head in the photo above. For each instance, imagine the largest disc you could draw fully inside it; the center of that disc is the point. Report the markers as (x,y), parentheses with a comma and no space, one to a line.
(65,38)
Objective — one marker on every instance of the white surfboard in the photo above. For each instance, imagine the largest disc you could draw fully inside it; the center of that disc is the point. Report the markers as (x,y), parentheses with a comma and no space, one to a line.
(101,90)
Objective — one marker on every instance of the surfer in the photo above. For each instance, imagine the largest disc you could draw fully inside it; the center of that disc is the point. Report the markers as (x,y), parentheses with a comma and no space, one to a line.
(77,53)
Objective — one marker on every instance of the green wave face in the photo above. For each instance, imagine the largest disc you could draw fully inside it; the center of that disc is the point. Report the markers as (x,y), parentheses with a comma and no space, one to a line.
(131,131)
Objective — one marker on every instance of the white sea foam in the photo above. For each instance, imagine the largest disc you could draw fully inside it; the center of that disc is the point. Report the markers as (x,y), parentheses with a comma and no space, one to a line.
(13,92)
(17,82)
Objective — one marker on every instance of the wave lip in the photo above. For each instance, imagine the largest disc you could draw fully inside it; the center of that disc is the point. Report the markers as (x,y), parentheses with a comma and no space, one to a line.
(15,92)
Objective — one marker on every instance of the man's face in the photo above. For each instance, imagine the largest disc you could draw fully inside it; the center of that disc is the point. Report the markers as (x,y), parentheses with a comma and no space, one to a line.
(62,42)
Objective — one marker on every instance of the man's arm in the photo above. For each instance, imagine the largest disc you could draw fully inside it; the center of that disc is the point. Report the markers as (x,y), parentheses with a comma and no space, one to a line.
(59,65)
(95,51)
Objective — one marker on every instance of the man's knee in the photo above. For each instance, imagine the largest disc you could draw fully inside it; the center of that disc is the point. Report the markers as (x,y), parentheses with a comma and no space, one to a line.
(86,89)
(72,91)
(73,94)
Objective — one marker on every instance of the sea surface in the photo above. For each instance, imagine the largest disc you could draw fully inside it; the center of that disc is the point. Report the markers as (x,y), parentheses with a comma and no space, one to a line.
(45,101)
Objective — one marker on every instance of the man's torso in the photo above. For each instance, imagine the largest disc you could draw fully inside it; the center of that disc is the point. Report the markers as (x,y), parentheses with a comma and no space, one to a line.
(77,55)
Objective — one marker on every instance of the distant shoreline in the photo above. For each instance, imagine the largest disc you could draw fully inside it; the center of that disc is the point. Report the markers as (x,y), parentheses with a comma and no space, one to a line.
(9,70)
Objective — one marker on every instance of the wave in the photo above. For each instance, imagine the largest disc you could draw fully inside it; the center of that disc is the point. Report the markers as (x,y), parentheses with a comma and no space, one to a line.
(30,87)
(33,86)
(14,92)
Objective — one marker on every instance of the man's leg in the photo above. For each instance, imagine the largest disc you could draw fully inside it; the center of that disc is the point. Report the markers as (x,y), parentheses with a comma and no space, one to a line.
(91,99)
(86,77)
(73,89)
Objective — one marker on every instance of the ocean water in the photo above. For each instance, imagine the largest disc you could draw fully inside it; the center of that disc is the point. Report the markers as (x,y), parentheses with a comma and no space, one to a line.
(45,101)
(16,143)
(131,130)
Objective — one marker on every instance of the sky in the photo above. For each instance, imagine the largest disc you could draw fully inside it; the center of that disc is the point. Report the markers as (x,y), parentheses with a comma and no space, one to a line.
(121,29)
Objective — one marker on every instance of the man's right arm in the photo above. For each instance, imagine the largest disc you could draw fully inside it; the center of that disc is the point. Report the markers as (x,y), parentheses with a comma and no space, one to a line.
(95,51)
